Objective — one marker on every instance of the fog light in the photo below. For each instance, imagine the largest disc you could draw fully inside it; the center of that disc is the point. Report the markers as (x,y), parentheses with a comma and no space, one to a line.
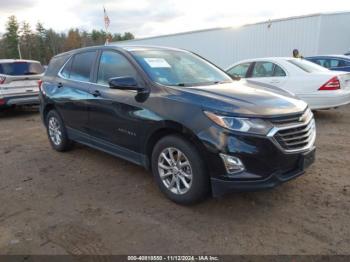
(232,164)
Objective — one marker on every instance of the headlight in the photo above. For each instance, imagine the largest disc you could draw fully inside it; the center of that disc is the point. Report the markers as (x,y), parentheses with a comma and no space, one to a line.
(247,125)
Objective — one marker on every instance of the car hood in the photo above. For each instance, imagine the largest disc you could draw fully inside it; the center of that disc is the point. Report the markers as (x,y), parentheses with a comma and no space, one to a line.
(243,98)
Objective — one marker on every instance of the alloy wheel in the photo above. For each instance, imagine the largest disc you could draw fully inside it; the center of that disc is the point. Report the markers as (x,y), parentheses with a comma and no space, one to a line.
(175,170)
(55,131)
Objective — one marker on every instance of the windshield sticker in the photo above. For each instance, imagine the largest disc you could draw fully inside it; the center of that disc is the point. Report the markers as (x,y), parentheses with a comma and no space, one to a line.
(157,62)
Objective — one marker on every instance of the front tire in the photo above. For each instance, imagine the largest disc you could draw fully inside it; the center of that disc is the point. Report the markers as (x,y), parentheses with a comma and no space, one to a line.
(57,133)
(179,170)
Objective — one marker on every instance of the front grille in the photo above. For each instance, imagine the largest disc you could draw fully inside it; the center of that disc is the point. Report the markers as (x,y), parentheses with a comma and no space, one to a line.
(296,135)
(291,119)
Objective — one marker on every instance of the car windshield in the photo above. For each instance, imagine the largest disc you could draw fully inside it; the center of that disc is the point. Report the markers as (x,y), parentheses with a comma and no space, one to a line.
(21,68)
(307,66)
(179,68)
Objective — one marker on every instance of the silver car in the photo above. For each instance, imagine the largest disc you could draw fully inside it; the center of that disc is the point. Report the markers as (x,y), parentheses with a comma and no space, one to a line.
(19,82)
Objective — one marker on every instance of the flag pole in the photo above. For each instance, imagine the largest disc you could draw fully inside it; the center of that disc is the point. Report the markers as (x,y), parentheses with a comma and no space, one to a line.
(106,21)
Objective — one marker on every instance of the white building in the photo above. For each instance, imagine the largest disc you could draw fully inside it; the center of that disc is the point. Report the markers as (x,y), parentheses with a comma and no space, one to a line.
(311,34)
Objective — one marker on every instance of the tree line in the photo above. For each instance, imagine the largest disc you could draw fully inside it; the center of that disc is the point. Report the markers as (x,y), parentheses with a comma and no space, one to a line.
(41,43)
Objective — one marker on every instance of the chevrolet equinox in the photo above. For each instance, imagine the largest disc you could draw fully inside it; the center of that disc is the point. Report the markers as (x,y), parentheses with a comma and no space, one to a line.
(178,115)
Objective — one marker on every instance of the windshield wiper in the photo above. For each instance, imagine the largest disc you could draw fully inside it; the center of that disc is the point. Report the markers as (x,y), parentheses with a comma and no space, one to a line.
(221,82)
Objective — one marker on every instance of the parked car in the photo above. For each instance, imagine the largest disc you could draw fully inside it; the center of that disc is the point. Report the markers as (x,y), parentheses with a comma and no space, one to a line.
(19,82)
(318,86)
(179,116)
(334,62)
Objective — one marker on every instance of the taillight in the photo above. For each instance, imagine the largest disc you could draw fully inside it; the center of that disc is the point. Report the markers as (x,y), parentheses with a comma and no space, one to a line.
(2,79)
(40,83)
(333,84)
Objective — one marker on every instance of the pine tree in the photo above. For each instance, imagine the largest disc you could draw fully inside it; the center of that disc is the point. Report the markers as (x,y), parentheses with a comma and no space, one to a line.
(11,38)
(26,41)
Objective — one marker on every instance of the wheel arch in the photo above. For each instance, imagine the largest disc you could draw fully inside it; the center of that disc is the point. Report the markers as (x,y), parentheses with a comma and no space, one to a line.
(47,109)
(171,128)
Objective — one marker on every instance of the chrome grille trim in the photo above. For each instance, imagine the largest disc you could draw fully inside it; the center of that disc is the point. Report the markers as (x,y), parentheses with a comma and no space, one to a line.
(295,137)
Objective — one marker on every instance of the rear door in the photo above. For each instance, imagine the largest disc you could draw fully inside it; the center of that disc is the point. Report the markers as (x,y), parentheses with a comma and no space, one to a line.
(71,90)
(268,73)
(20,78)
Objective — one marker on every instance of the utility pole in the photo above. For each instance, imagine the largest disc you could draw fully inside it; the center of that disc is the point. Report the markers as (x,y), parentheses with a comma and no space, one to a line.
(19,50)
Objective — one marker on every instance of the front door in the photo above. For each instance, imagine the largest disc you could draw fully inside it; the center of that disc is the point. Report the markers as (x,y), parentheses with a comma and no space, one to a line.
(113,112)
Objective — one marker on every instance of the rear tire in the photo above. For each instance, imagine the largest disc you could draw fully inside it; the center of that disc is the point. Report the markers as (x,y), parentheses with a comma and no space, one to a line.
(57,133)
(179,170)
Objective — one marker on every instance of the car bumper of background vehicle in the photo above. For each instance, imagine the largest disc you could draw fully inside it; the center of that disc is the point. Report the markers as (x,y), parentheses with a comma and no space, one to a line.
(327,99)
(20,100)
(224,186)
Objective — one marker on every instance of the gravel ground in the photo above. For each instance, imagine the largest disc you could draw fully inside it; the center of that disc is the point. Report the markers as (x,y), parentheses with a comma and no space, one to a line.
(87,202)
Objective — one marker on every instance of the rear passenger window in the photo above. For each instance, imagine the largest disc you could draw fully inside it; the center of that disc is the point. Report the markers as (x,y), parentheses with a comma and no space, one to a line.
(79,67)
(112,65)
(263,69)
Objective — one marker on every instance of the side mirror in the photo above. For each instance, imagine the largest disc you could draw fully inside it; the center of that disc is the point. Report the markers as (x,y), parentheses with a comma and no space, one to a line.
(235,77)
(124,83)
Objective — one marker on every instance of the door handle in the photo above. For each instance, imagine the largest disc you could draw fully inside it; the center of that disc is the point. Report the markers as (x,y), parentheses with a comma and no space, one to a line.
(96,93)
(274,81)
(59,85)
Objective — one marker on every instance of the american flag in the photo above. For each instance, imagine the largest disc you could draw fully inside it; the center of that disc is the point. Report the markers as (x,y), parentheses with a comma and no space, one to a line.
(106,18)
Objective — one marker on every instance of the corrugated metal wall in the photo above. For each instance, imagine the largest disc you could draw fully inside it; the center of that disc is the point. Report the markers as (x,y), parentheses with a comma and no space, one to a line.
(335,34)
(310,34)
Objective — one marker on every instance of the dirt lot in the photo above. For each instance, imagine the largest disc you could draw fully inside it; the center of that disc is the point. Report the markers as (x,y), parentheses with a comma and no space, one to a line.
(87,202)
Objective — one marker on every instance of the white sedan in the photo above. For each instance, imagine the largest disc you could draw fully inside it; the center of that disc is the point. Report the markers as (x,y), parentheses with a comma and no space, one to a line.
(316,85)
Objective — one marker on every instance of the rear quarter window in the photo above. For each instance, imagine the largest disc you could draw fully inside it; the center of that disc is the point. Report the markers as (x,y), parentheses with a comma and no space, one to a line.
(55,65)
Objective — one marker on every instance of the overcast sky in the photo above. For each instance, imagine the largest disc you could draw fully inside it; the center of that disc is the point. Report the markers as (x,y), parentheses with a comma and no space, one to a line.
(156,17)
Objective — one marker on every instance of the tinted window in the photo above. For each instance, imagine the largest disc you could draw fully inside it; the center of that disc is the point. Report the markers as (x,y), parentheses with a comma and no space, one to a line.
(112,65)
(338,63)
(66,70)
(263,69)
(239,70)
(331,63)
(81,66)
(55,65)
(21,68)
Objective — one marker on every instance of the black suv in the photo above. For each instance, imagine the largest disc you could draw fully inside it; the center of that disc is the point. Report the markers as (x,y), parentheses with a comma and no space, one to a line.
(177,114)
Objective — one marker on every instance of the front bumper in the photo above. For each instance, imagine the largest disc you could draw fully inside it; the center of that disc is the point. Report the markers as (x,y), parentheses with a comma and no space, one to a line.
(221,186)
(266,164)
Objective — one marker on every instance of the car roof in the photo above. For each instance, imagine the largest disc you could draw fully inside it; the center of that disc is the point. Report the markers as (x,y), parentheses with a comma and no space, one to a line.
(144,47)
(128,48)
(269,59)
(17,60)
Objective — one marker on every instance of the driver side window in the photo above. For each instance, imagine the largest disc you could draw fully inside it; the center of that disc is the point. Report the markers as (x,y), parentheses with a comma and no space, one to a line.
(239,70)
(113,64)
